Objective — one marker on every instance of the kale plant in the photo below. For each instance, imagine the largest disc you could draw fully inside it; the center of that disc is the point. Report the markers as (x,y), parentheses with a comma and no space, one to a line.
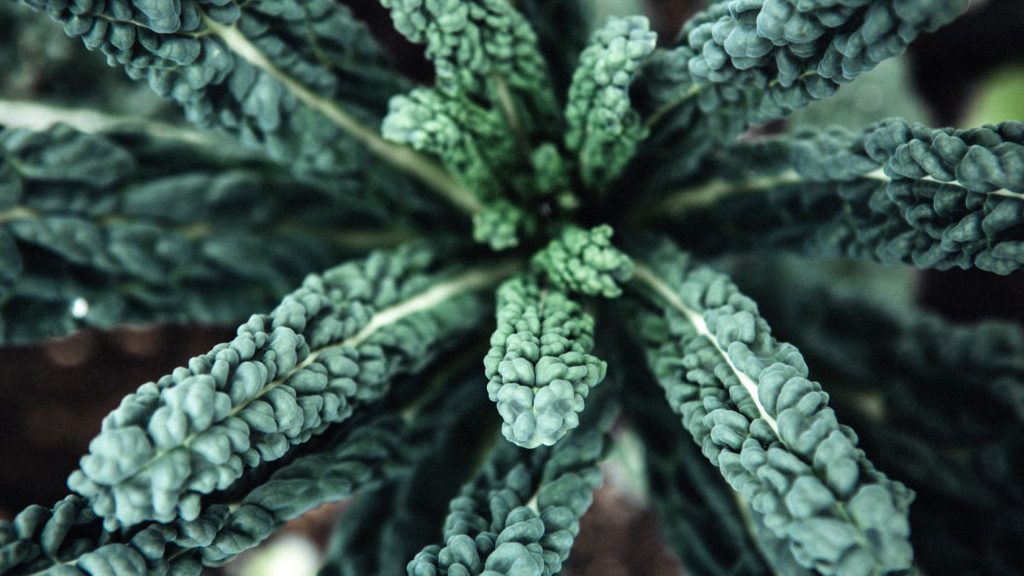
(570,197)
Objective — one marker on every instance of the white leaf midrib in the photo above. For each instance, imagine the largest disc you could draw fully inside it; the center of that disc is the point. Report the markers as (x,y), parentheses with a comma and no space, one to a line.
(708,193)
(469,281)
(401,157)
(662,289)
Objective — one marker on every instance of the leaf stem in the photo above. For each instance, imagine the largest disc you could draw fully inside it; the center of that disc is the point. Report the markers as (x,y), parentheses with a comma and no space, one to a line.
(18,213)
(671,105)
(709,192)
(35,116)
(468,281)
(353,239)
(644,274)
(508,108)
(401,157)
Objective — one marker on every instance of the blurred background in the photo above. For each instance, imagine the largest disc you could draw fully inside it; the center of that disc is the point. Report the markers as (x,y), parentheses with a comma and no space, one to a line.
(53,396)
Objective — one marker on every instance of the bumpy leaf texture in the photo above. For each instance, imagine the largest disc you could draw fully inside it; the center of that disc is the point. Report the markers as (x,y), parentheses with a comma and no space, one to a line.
(539,367)
(748,403)
(703,522)
(602,124)
(42,64)
(340,388)
(267,71)
(388,526)
(133,226)
(939,406)
(521,513)
(328,348)
(585,262)
(69,534)
(741,62)
(472,42)
(894,193)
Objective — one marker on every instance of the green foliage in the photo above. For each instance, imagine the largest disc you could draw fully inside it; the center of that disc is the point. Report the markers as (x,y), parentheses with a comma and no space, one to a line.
(132,227)
(522,512)
(539,367)
(390,525)
(40,62)
(892,193)
(703,523)
(365,381)
(189,51)
(602,125)
(476,45)
(982,160)
(910,381)
(585,262)
(69,533)
(320,355)
(470,141)
(501,224)
(747,401)
(750,61)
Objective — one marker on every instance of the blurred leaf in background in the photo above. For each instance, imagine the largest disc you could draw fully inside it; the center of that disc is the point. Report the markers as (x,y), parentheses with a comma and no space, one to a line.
(41,64)
(1000,96)
(881,93)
